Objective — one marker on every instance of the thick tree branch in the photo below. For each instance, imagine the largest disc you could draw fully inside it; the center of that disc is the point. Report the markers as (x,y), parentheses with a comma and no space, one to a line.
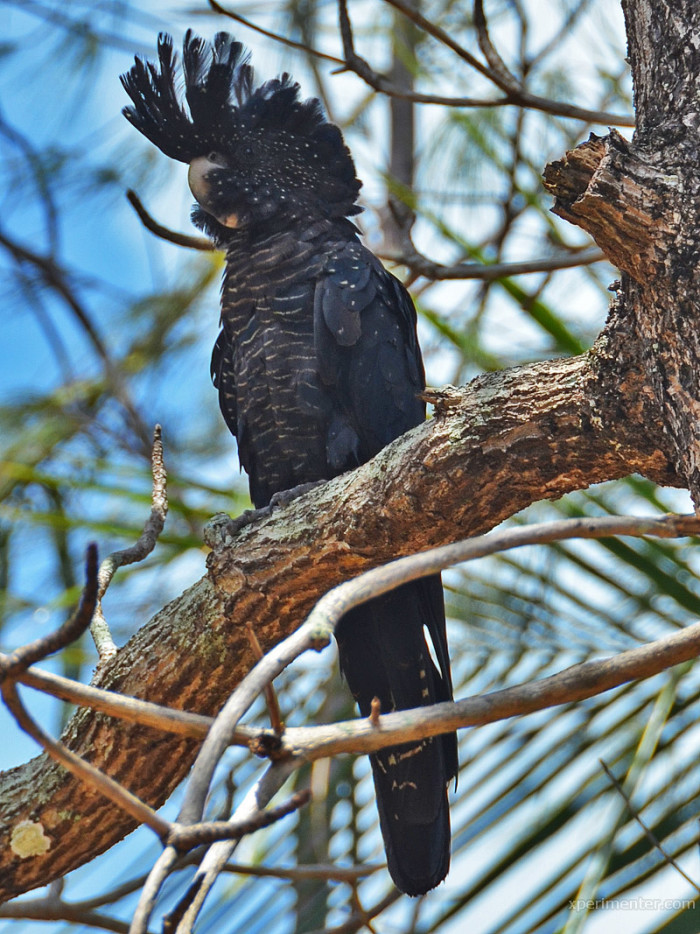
(507,440)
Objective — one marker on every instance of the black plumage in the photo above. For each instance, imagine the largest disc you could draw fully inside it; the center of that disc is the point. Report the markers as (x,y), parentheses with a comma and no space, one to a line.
(317,367)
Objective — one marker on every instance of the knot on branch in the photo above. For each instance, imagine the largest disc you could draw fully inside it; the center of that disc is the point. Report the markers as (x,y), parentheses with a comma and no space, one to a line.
(627,204)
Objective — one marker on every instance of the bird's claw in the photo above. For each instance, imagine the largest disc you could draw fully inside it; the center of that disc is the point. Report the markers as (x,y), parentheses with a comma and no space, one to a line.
(222,529)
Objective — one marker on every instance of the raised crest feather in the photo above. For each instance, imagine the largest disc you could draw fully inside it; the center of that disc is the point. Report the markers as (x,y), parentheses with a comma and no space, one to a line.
(222,101)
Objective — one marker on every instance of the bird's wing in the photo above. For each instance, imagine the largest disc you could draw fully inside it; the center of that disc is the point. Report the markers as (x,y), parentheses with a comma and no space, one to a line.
(224,379)
(370,364)
(368,356)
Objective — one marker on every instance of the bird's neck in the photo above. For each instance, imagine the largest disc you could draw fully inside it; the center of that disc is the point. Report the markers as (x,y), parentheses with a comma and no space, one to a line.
(272,251)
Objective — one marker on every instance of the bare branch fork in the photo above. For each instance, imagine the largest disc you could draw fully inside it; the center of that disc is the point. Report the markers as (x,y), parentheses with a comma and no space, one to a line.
(494,71)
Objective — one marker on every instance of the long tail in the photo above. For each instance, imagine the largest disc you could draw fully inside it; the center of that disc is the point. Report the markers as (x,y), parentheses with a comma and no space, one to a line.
(384,654)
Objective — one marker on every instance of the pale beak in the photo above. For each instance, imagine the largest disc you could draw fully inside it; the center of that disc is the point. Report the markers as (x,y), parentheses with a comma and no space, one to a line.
(199,186)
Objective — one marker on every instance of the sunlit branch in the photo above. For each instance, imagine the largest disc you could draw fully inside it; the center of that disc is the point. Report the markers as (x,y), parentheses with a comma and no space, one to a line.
(132,709)
(331,607)
(215,859)
(137,552)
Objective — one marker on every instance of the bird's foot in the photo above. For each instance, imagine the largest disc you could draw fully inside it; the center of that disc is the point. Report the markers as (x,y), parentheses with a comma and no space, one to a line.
(221,529)
(285,497)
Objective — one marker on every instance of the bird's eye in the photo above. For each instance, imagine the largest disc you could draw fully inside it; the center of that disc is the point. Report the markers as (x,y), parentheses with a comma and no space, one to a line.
(215,157)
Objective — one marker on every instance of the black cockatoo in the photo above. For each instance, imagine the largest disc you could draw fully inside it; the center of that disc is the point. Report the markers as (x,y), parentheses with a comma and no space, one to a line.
(317,367)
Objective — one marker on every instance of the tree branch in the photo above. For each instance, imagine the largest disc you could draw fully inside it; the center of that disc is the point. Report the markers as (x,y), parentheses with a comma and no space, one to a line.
(507,440)
(164,233)
(487,272)
(145,544)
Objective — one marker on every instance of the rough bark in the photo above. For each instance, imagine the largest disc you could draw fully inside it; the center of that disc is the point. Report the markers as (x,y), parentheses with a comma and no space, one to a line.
(505,441)
(640,201)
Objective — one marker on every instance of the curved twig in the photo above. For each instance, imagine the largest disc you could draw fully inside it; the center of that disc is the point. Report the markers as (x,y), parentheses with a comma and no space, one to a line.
(172,236)
(18,661)
(277,37)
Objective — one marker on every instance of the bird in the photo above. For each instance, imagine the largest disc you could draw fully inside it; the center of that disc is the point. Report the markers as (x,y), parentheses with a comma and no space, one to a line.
(317,367)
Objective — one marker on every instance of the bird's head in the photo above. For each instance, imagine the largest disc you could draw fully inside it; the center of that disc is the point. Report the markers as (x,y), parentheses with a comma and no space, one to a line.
(257,155)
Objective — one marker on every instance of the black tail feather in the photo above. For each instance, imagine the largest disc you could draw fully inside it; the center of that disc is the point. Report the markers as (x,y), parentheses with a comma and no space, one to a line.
(417,852)
(384,654)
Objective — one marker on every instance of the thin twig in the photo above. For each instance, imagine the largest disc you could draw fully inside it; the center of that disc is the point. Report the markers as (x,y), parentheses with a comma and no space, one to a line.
(188,836)
(498,70)
(273,707)
(48,909)
(104,643)
(318,871)
(236,17)
(217,856)
(412,13)
(133,709)
(172,236)
(12,665)
(361,918)
(421,265)
(649,833)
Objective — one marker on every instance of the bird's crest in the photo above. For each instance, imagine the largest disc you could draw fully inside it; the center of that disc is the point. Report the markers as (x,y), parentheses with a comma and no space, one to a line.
(223,104)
